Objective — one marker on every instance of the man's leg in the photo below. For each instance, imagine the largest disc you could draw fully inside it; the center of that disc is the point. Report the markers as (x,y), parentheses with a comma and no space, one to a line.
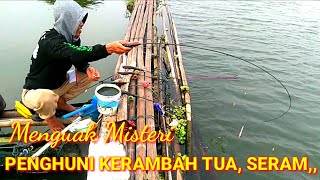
(44,102)
(62,104)
(69,91)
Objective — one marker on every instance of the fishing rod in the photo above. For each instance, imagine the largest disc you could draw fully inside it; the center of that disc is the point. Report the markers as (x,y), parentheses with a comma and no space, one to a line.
(100,82)
(146,84)
(135,95)
(194,77)
(134,44)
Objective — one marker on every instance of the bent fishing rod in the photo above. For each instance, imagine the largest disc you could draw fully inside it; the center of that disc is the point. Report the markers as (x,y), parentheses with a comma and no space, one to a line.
(134,44)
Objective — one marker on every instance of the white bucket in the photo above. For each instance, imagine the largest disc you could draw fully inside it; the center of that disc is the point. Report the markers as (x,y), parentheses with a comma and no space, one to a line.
(108,104)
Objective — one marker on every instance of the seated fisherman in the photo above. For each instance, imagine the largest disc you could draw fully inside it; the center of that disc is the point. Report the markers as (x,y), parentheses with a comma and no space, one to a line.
(47,85)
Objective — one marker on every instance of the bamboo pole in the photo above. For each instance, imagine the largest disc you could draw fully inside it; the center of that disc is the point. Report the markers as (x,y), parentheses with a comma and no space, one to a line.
(133,17)
(158,86)
(123,106)
(176,146)
(151,146)
(127,36)
(141,146)
(175,54)
(132,105)
(186,93)
(173,73)
(11,114)
(132,113)
(122,113)
(132,58)
(166,119)
(132,55)
(156,70)
(165,145)
(167,63)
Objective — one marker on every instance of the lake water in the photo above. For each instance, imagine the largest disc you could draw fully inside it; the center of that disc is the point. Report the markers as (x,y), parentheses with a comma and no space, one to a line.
(282,37)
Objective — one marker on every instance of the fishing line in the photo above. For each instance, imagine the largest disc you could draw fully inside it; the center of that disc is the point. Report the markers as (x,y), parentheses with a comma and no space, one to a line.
(100,82)
(242,59)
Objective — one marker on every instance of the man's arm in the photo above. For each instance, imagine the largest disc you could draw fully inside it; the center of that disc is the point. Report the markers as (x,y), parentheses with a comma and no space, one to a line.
(79,56)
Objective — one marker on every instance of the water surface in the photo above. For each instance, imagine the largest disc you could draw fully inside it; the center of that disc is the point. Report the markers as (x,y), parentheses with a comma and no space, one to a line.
(283,38)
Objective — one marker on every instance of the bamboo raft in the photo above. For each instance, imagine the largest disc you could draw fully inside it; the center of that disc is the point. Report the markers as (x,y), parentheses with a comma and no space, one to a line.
(160,57)
(159,60)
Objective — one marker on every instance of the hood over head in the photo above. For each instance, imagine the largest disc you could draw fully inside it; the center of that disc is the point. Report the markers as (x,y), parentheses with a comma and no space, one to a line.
(68,15)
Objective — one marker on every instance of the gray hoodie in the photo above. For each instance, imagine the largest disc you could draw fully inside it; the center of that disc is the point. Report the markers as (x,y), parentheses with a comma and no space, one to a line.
(67,16)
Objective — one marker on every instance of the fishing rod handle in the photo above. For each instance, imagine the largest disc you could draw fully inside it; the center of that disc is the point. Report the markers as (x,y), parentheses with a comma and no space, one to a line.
(125,73)
(132,67)
(133,44)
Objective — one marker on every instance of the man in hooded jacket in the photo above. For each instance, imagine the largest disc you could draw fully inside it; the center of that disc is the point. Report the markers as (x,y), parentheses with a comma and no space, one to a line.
(48,85)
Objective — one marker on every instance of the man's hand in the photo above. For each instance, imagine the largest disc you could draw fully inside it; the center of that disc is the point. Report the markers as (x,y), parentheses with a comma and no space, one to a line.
(93,74)
(117,47)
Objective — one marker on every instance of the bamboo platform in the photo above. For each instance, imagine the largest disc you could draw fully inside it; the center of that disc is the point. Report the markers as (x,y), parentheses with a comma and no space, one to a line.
(162,82)
(160,59)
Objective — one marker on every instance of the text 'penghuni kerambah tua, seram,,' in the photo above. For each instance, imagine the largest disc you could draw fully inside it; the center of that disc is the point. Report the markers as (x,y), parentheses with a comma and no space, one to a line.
(183,163)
